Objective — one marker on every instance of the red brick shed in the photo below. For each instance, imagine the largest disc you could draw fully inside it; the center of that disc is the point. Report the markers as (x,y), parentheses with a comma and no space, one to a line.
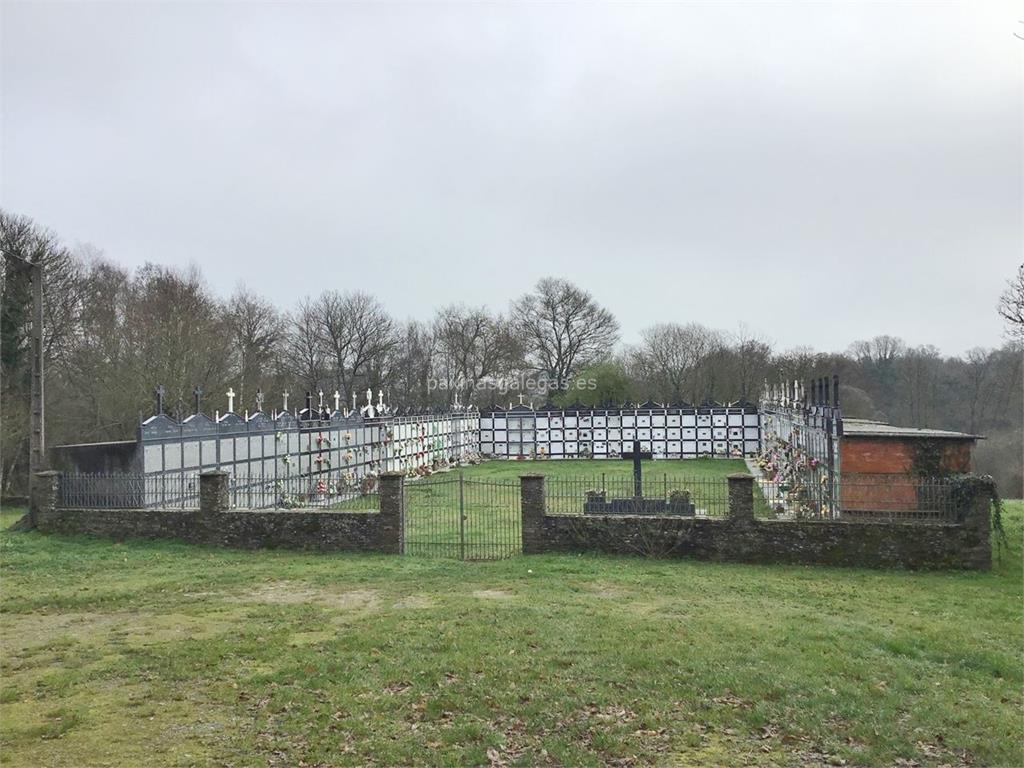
(882,466)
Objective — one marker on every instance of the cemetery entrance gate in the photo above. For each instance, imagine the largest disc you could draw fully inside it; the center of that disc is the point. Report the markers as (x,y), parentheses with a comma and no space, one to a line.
(451,515)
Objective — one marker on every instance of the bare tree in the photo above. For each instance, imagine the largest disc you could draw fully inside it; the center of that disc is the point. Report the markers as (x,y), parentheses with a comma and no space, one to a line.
(304,354)
(358,333)
(919,369)
(473,345)
(880,350)
(411,366)
(175,330)
(977,368)
(257,331)
(670,357)
(751,354)
(563,329)
(1011,305)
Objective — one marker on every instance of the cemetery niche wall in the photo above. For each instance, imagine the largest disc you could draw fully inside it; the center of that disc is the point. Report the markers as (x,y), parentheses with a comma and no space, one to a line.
(342,447)
(681,431)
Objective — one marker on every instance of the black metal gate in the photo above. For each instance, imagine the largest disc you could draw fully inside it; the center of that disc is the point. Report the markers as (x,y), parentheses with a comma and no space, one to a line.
(451,515)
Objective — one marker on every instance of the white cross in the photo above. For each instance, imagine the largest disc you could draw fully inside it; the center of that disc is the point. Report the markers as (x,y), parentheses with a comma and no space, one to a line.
(354,401)
(337,400)
(380,399)
(520,398)
(285,396)
(231,399)
(321,405)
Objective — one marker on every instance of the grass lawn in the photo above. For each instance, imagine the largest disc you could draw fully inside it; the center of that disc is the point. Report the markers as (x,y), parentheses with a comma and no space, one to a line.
(167,654)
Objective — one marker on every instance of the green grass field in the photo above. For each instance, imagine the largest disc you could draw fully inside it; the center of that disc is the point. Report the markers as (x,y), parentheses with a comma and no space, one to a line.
(157,653)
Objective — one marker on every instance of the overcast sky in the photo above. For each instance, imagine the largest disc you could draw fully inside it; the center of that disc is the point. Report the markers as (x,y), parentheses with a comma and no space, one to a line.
(821,173)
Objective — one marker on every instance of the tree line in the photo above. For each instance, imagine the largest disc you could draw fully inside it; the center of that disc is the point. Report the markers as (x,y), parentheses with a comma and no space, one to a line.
(112,334)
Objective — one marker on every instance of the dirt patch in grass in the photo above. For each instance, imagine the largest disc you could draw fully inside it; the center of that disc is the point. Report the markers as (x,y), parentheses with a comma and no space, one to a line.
(311,638)
(608,592)
(411,602)
(114,724)
(492,594)
(297,593)
(39,630)
(29,632)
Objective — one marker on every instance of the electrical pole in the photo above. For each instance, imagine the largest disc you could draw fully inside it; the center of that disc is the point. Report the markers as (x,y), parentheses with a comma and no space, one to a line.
(37,436)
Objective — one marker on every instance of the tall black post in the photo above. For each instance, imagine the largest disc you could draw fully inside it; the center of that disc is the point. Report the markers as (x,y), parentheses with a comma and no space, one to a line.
(638,485)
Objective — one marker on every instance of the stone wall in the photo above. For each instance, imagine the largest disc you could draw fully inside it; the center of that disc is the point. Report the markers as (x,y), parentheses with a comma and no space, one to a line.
(213,523)
(249,529)
(867,545)
(741,538)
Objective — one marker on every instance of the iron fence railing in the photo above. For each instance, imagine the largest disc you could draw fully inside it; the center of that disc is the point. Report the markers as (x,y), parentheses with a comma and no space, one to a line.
(451,515)
(863,498)
(616,494)
(128,490)
(320,491)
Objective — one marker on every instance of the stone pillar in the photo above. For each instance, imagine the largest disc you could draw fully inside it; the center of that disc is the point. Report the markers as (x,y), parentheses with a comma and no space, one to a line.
(392,512)
(43,498)
(213,491)
(741,496)
(978,519)
(531,491)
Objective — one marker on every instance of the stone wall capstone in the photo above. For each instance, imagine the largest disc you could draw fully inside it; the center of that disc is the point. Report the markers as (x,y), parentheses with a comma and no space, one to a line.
(214,495)
(392,512)
(532,501)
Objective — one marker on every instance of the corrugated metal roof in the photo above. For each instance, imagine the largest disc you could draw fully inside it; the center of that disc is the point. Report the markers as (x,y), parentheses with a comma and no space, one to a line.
(868,428)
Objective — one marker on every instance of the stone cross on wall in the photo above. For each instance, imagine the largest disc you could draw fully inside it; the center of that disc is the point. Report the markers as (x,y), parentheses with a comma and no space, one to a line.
(320,402)
(284,397)
(380,399)
(259,399)
(159,392)
(197,393)
(354,404)
(231,399)
(520,398)
(368,410)
(337,400)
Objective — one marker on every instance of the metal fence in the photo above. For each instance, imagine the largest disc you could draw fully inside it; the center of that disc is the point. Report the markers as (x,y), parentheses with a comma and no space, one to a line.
(451,515)
(616,494)
(862,498)
(303,492)
(126,490)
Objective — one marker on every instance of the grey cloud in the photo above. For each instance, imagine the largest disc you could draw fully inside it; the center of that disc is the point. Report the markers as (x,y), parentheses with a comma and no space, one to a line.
(821,173)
